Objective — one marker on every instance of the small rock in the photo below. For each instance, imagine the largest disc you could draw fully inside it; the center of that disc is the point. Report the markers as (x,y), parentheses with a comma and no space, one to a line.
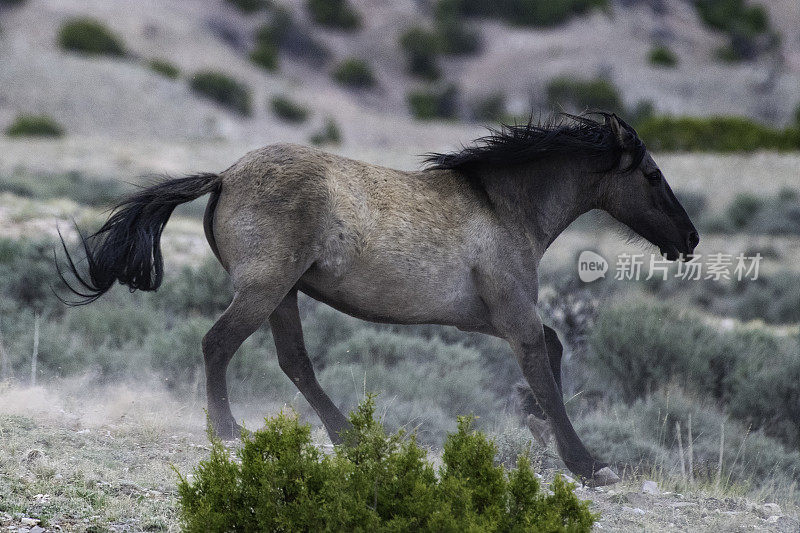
(678,505)
(29,521)
(634,510)
(37,529)
(771,509)
(773,519)
(567,478)
(32,455)
(650,487)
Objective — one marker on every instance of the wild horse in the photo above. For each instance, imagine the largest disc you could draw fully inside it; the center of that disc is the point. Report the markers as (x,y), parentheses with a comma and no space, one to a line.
(457,243)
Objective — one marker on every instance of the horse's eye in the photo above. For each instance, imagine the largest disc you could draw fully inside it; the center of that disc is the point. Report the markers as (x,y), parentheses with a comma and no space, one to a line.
(654,177)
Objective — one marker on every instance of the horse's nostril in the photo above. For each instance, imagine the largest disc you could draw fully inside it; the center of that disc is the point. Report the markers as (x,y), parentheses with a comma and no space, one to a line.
(693,239)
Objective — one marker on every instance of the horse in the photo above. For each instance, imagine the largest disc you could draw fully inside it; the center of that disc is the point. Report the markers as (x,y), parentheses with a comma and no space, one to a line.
(456,243)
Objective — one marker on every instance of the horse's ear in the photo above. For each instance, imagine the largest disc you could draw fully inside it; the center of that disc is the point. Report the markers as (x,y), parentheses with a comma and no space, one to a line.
(620,133)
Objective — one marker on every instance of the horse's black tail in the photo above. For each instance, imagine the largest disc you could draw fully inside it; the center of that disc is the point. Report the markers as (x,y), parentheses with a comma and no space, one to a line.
(127,248)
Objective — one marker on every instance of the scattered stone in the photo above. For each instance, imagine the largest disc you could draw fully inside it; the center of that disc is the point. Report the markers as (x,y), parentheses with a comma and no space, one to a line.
(679,505)
(634,510)
(32,455)
(773,519)
(129,487)
(29,521)
(650,487)
(37,529)
(771,509)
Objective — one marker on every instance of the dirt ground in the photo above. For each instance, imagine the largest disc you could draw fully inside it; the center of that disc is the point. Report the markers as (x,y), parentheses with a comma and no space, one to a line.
(74,459)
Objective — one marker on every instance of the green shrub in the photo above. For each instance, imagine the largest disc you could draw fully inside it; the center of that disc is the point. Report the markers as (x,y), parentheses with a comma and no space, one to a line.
(26,271)
(727,54)
(176,355)
(329,134)
(776,215)
(199,290)
(287,110)
(337,14)
(769,396)
(539,13)
(421,47)
(671,347)
(428,104)
(222,89)
(742,23)
(355,73)
(578,95)
(265,56)
(430,382)
(267,42)
(456,37)
(639,348)
(643,110)
(733,16)
(661,56)
(714,134)
(797,116)
(490,108)
(165,68)
(73,185)
(743,209)
(250,6)
(281,34)
(89,36)
(34,126)
(375,482)
(771,298)
(270,36)
(642,438)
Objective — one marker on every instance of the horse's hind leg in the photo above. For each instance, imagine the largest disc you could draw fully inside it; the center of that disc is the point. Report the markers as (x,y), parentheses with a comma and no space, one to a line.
(244,315)
(294,361)
(555,350)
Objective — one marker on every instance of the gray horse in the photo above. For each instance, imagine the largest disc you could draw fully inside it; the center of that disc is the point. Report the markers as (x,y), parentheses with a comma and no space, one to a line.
(456,244)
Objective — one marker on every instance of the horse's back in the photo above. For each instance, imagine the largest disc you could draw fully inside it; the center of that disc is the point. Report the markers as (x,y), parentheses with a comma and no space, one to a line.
(364,236)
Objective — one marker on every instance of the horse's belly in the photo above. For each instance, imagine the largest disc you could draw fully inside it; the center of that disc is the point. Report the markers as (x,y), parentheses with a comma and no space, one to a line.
(399,295)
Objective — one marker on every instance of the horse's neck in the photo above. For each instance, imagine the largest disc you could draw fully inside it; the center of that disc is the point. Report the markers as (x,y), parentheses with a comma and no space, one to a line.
(543,199)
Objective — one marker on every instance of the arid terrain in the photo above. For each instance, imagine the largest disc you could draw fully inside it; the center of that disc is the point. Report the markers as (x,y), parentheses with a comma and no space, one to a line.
(107,460)
(118,405)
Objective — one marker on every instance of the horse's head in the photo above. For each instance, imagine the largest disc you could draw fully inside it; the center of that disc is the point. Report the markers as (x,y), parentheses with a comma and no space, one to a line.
(638,195)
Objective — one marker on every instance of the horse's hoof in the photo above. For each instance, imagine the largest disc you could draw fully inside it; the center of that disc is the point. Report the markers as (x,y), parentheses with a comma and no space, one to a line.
(604,476)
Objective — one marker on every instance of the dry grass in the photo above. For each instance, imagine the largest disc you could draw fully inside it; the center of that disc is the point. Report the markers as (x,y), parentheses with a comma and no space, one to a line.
(102,460)
(83,459)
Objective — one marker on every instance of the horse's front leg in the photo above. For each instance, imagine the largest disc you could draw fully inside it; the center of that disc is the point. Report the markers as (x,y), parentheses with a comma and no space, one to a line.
(516,320)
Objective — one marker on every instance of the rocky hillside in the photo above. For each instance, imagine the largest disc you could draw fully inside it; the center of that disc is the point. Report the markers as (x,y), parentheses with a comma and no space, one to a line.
(122,98)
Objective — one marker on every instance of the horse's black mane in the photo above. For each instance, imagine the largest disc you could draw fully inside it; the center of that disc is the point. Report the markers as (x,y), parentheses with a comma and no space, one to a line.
(564,134)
